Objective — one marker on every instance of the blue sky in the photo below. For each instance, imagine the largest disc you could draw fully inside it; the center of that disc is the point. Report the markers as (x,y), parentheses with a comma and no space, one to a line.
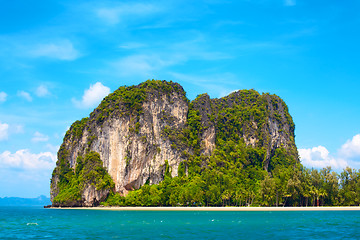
(58,59)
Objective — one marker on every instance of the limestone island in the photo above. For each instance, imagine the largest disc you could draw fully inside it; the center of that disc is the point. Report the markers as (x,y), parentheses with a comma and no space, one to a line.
(148,145)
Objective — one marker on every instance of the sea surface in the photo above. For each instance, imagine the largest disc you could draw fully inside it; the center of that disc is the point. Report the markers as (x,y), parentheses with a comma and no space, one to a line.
(40,223)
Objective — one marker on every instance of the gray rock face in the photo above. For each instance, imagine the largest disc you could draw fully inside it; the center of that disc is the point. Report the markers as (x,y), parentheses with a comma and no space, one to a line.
(134,158)
(93,196)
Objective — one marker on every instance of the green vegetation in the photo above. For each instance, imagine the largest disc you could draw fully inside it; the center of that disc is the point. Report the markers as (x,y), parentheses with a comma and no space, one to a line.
(76,129)
(292,186)
(88,171)
(235,174)
(128,100)
(245,169)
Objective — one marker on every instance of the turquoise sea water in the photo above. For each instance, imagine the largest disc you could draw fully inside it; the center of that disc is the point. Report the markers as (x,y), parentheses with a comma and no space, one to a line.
(39,223)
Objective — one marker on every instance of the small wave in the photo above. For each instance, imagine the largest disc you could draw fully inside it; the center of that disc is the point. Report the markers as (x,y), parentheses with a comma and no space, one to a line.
(32,224)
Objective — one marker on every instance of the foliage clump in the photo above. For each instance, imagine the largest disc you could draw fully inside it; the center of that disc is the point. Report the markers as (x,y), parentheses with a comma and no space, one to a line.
(128,100)
(76,130)
(72,182)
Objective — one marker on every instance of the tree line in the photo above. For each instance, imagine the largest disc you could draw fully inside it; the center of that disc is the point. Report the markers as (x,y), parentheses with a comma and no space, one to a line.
(251,186)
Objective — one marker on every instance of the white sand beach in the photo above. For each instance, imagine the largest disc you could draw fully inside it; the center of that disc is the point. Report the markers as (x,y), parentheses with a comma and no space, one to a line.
(240,209)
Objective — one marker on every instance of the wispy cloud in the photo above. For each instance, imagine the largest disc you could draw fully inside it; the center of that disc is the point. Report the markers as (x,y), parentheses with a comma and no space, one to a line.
(3,97)
(196,48)
(319,157)
(25,95)
(92,96)
(142,65)
(212,84)
(150,61)
(231,23)
(17,128)
(255,47)
(39,137)
(52,148)
(117,14)
(4,128)
(42,91)
(306,32)
(8,129)
(289,3)
(132,45)
(61,50)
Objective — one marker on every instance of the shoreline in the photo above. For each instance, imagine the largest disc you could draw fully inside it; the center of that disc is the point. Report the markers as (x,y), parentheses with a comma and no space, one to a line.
(220,209)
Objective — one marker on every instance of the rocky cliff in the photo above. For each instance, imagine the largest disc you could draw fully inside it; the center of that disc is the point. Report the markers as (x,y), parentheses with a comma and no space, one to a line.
(140,132)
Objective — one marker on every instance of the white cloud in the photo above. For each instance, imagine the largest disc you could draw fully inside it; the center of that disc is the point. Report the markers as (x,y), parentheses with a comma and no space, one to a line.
(347,155)
(289,2)
(25,95)
(42,91)
(39,137)
(4,128)
(114,15)
(3,96)
(319,157)
(62,50)
(92,96)
(351,148)
(24,159)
